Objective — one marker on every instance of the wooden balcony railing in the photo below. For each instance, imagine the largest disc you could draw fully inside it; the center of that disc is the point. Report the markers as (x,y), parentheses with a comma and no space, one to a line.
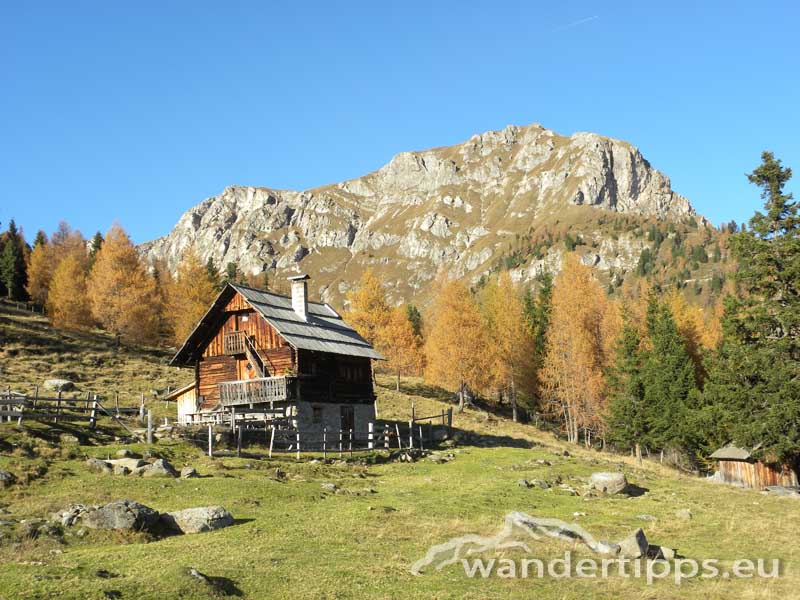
(256,391)
(234,342)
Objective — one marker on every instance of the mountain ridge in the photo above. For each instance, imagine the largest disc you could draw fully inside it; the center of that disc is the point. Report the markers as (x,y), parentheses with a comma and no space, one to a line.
(452,208)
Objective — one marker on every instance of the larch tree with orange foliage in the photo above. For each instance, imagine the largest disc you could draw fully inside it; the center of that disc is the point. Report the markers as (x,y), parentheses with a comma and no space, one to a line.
(67,303)
(367,310)
(188,296)
(510,346)
(401,346)
(578,343)
(456,346)
(122,293)
(46,256)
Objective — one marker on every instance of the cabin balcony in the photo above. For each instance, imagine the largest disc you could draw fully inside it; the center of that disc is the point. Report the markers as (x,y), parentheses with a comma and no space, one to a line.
(257,391)
(234,342)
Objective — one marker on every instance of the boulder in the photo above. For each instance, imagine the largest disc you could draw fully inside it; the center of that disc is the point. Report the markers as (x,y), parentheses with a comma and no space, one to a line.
(608,483)
(121,470)
(635,545)
(329,487)
(197,520)
(160,468)
(99,466)
(59,385)
(187,472)
(128,463)
(540,483)
(684,514)
(523,483)
(122,514)
(70,515)
(6,479)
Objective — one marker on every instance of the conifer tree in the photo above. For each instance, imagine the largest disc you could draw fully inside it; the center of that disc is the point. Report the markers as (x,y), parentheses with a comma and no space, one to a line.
(40,239)
(669,381)
(752,396)
(122,293)
(95,245)
(13,270)
(367,309)
(189,296)
(627,419)
(413,314)
(40,272)
(401,346)
(212,272)
(510,349)
(67,302)
(455,346)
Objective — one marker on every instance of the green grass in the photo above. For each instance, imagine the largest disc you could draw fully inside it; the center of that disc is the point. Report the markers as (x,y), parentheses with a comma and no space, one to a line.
(293,540)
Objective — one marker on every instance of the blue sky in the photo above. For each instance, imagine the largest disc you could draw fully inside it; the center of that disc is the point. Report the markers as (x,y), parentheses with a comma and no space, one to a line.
(137,111)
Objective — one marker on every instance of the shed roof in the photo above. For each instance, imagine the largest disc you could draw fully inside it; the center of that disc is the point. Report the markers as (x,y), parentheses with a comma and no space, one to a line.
(731,452)
(323,331)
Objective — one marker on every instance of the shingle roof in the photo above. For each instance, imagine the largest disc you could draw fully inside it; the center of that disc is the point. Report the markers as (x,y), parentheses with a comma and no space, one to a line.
(731,452)
(324,331)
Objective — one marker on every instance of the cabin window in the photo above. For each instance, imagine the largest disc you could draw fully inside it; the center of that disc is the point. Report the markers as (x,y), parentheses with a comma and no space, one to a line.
(316,415)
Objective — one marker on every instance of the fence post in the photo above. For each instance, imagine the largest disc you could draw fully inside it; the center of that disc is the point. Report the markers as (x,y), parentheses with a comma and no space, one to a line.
(271,441)
(386,437)
(399,441)
(370,434)
(141,409)
(421,447)
(116,403)
(413,412)
(239,443)
(210,442)
(351,443)
(58,406)
(21,409)
(88,398)
(450,422)
(340,443)
(93,415)
(233,418)
(149,426)
(35,394)
(298,444)
(325,443)
(411,434)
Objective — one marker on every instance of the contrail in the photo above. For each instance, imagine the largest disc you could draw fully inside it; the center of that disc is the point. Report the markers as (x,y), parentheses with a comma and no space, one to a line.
(576,23)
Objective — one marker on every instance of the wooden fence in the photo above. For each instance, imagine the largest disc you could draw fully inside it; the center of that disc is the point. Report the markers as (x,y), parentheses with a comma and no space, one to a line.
(419,433)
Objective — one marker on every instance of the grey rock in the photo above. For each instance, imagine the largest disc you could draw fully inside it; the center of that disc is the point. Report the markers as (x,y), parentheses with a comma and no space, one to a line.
(99,466)
(189,472)
(684,513)
(122,514)
(329,487)
(605,547)
(7,479)
(635,545)
(121,470)
(540,483)
(608,483)
(125,453)
(417,212)
(197,520)
(646,517)
(780,490)
(128,463)
(59,385)
(160,468)
(524,483)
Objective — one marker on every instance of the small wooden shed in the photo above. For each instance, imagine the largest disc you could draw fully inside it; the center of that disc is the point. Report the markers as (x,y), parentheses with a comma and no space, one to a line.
(738,467)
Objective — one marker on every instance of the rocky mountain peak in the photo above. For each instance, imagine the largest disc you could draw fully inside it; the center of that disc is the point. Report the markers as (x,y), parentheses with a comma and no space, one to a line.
(452,209)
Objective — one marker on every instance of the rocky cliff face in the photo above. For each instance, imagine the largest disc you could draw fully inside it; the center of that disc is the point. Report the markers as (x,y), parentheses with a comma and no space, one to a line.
(455,209)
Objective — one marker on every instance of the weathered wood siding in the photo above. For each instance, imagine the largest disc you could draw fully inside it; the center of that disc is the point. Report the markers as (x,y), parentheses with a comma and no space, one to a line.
(215,367)
(755,475)
(187,403)
(334,378)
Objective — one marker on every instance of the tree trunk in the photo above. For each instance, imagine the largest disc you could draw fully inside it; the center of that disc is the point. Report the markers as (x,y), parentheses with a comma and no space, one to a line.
(638,450)
(513,399)
(461,398)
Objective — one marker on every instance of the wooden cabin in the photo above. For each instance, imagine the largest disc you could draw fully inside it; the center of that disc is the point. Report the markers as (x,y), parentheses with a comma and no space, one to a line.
(737,466)
(277,358)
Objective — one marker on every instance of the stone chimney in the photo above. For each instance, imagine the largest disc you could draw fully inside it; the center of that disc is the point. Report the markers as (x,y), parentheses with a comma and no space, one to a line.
(300,295)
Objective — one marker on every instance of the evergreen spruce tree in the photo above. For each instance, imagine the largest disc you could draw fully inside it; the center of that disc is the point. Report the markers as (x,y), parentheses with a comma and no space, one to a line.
(95,245)
(669,381)
(13,270)
(752,396)
(627,419)
(415,317)
(213,273)
(40,239)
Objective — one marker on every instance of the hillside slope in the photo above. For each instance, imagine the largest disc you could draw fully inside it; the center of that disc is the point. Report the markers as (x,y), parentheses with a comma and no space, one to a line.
(461,209)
